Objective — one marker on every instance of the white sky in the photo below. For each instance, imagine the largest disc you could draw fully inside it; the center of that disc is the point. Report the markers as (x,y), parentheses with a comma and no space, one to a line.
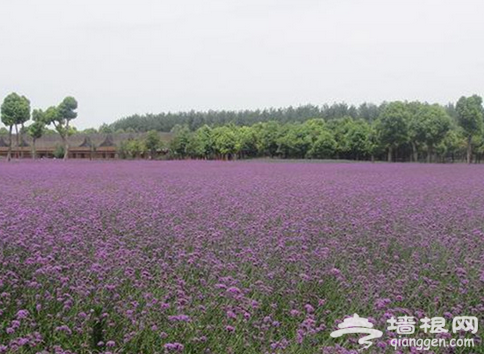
(121,57)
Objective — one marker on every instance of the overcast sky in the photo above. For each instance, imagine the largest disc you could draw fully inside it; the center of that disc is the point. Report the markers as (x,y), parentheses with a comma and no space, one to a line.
(121,57)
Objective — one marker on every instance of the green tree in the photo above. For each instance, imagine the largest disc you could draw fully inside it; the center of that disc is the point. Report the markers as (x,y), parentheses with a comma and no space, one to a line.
(123,150)
(324,147)
(153,142)
(313,129)
(267,135)
(133,148)
(470,118)
(416,132)
(375,147)
(224,142)
(452,145)
(392,126)
(246,142)
(200,143)
(478,147)
(23,118)
(340,128)
(179,142)
(295,141)
(60,117)
(15,110)
(36,130)
(357,138)
(433,125)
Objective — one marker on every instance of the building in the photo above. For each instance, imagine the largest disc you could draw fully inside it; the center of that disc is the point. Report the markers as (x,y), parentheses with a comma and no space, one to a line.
(81,146)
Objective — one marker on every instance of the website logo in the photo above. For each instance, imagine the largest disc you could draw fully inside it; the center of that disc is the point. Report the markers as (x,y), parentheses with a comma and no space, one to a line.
(357,324)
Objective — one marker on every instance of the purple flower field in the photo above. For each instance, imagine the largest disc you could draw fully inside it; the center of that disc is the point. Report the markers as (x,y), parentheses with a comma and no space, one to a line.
(232,257)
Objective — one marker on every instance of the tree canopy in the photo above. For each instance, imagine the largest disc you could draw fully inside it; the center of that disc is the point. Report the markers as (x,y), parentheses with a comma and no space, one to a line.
(15,111)
(470,116)
(403,131)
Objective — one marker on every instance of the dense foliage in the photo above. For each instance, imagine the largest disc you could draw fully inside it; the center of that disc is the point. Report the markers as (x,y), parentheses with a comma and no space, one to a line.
(212,257)
(392,131)
(167,121)
(15,111)
(401,131)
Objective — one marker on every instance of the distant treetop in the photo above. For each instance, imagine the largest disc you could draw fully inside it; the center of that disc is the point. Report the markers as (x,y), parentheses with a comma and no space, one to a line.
(165,122)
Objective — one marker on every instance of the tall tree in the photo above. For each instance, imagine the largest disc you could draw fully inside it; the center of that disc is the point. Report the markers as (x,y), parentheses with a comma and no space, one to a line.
(201,143)
(392,126)
(245,144)
(15,110)
(267,134)
(415,133)
(22,119)
(61,117)
(470,117)
(434,123)
(180,140)
(224,141)
(358,140)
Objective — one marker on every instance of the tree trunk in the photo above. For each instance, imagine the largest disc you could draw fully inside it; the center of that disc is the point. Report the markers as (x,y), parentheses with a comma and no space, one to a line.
(415,152)
(66,143)
(469,149)
(390,153)
(21,139)
(9,154)
(33,149)
(429,153)
(66,147)
(18,144)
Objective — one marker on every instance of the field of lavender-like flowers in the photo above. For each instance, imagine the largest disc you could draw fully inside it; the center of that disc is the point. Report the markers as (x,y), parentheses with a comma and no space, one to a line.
(233,257)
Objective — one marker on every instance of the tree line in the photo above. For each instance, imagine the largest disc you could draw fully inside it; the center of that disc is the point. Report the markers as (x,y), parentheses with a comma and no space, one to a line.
(165,122)
(16,111)
(392,131)
(402,131)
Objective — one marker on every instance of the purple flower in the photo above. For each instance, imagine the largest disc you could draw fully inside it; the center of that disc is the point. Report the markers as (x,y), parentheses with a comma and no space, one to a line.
(175,347)
(231,314)
(309,308)
(110,344)
(22,314)
(234,290)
